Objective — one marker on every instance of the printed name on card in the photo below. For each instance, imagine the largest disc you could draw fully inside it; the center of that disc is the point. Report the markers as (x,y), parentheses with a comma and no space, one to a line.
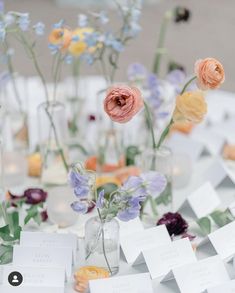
(43,257)
(133,244)
(223,241)
(204,200)
(198,276)
(140,283)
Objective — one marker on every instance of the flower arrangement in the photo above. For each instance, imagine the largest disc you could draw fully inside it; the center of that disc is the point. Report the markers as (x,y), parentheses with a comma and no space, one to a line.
(124,202)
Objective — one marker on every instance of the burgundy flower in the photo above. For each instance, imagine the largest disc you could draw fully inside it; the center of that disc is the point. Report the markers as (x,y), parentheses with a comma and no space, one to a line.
(90,207)
(44,216)
(174,222)
(35,196)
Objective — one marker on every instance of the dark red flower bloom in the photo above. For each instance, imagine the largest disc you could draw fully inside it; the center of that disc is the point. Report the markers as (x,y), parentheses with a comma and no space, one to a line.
(174,222)
(44,216)
(35,196)
(182,14)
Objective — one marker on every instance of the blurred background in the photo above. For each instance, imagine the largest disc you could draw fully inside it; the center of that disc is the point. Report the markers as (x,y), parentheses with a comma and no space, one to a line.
(208,33)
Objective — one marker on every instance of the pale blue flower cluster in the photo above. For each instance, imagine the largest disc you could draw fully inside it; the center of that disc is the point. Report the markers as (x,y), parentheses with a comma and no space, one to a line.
(125,202)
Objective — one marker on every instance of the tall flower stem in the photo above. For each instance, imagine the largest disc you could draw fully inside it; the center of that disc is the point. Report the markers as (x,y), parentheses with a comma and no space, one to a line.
(160,44)
(41,76)
(150,125)
(167,129)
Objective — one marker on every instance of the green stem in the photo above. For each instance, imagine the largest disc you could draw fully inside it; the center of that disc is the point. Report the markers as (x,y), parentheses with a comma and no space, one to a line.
(187,84)
(150,124)
(161,40)
(167,129)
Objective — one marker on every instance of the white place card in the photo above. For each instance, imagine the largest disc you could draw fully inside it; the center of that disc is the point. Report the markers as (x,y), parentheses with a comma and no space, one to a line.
(42,239)
(228,287)
(217,172)
(182,144)
(162,259)
(204,200)
(223,241)
(212,141)
(43,257)
(133,244)
(197,277)
(130,227)
(140,283)
(29,289)
(38,277)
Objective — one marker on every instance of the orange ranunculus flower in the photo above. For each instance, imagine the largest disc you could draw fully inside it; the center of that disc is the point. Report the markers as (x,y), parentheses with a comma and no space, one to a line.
(123,102)
(124,173)
(210,73)
(229,152)
(190,106)
(85,274)
(182,126)
(60,36)
(102,180)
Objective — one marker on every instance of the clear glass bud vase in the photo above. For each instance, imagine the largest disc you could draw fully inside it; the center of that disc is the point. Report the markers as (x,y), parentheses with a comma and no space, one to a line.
(160,160)
(102,247)
(53,135)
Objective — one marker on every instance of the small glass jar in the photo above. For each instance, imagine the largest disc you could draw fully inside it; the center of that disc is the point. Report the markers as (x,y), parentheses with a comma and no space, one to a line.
(53,135)
(102,248)
(160,160)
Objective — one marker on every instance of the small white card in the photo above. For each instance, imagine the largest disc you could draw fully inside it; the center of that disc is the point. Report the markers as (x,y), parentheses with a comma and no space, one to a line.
(162,259)
(133,244)
(43,257)
(223,241)
(38,277)
(42,239)
(29,289)
(228,287)
(217,172)
(140,283)
(130,227)
(204,200)
(199,276)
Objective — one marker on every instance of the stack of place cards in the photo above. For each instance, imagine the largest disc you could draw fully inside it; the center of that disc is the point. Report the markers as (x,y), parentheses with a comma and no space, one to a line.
(201,275)
(44,279)
(161,260)
(133,244)
(140,283)
(223,241)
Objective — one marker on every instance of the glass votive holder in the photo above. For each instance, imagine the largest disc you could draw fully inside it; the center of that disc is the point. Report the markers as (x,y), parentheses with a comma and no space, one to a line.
(182,170)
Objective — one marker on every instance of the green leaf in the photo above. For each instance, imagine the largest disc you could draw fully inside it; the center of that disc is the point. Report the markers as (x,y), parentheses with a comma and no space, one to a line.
(131,153)
(5,233)
(6,252)
(221,218)
(205,225)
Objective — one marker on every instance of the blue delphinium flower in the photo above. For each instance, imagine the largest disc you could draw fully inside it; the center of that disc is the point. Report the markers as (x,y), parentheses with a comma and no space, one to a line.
(39,28)
(80,184)
(88,58)
(103,18)
(68,59)
(24,21)
(59,24)
(54,48)
(91,39)
(80,207)
(136,71)
(82,20)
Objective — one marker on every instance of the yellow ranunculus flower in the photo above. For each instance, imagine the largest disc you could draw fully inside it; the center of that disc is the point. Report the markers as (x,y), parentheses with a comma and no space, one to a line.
(78,47)
(190,106)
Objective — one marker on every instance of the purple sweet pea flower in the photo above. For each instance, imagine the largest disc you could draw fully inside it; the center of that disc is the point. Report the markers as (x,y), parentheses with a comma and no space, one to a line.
(154,183)
(80,184)
(136,71)
(100,200)
(80,207)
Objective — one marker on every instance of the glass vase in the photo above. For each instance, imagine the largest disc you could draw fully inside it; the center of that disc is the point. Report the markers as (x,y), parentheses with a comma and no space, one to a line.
(160,160)
(53,135)
(102,247)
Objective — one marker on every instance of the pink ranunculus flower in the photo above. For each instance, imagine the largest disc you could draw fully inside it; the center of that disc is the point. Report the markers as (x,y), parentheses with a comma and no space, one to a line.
(122,102)
(210,73)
